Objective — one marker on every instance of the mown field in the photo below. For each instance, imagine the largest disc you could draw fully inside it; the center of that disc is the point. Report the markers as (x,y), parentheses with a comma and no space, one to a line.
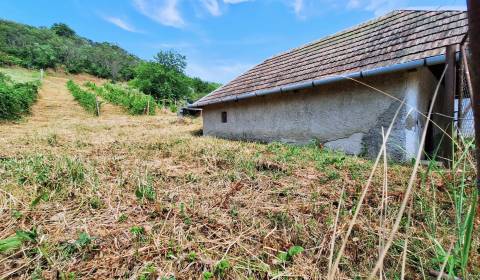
(147,197)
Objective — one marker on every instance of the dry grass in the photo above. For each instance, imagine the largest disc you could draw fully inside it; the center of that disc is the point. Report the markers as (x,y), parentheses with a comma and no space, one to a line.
(199,201)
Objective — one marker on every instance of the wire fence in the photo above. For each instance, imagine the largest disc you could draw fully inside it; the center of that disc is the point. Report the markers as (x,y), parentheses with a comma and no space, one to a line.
(464,122)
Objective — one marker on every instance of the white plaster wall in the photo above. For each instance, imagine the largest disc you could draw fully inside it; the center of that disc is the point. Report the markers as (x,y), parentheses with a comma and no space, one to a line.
(420,87)
(346,115)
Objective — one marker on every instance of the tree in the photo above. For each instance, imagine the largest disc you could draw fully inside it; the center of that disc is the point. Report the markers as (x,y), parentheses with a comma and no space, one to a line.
(171,60)
(61,29)
(161,82)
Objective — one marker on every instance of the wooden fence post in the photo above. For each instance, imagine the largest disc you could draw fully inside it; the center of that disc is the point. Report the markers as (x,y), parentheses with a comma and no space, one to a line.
(473,7)
(98,105)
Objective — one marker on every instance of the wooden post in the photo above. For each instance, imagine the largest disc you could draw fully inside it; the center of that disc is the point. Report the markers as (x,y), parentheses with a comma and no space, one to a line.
(474,36)
(447,104)
(461,87)
(98,105)
(148,107)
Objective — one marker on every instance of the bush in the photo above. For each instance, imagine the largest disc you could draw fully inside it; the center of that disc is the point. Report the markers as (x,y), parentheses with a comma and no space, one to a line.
(134,101)
(16,98)
(86,99)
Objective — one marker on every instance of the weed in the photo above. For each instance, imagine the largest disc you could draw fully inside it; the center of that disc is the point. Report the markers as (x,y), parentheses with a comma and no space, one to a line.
(148,272)
(145,191)
(83,242)
(122,218)
(192,256)
(285,257)
(186,219)
(221,267)
(14,242)
(207,275)
(95,202)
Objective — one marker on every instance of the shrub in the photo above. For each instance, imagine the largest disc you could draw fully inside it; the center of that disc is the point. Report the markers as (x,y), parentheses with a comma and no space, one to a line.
(86,99)
(134,101)
(16,98)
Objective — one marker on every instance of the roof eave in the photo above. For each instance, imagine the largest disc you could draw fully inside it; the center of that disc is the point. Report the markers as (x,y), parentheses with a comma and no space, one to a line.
(413,64)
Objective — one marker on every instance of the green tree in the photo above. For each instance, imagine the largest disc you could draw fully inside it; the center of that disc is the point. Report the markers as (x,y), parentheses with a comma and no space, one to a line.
(61,29)
(171,60)
(161,82)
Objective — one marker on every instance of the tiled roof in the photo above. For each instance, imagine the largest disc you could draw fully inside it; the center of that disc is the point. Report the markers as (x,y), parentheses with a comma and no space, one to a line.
(397,37)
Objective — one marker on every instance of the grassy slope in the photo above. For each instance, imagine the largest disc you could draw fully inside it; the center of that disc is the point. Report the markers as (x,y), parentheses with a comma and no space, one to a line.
(156,199)
(21,75)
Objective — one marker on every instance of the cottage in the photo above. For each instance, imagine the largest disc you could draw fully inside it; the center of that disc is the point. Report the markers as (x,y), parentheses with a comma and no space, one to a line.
(342,89)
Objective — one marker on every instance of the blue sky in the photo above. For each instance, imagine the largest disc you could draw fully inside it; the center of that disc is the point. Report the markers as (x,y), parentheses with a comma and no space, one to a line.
(221,38)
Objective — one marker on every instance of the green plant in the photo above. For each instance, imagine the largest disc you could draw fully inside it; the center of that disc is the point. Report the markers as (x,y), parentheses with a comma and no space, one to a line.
(207,275)
(183,214)
(145,192)
(221,267)
(82,242)
(14,242)
(16,98)
(139,233)
(86,99)
(134,101)
(122,218)
(148,272)
(192,256)
(285,257)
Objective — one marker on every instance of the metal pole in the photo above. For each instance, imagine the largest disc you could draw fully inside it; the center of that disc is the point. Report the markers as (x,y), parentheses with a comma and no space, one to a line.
(474,37)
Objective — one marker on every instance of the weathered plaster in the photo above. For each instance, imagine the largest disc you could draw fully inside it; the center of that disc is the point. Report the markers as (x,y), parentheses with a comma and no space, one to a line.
(346,115)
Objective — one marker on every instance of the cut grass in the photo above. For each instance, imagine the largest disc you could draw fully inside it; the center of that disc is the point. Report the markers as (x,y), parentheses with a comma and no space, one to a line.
(158,201)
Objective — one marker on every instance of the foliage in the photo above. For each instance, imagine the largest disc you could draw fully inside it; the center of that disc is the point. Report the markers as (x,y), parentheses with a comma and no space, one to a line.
(33,47)
(86,99)
(221,267)
(201,88)
(134,101)
(164,78)
(288,256)
(161,82)
(16,98)
(61,29)
(171,60)
(15,241)
(82,242)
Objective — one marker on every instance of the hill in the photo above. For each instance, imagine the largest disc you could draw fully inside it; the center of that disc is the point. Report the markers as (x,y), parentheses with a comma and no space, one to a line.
(60,46)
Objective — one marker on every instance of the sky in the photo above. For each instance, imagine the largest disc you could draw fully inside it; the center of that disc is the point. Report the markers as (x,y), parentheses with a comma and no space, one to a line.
(220,38)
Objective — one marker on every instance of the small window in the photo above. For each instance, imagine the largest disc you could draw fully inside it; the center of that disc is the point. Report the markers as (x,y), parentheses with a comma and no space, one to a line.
(224,117)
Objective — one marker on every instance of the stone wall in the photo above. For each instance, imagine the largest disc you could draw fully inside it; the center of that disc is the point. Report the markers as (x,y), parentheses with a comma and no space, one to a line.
(346,116)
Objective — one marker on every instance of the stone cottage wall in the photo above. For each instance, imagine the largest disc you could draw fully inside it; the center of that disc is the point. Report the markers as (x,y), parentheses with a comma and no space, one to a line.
(345,116)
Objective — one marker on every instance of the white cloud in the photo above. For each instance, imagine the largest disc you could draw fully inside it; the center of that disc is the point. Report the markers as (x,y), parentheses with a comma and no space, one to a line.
(217,71)
(120,23)
(162,11)
(212,7)
(298,6)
